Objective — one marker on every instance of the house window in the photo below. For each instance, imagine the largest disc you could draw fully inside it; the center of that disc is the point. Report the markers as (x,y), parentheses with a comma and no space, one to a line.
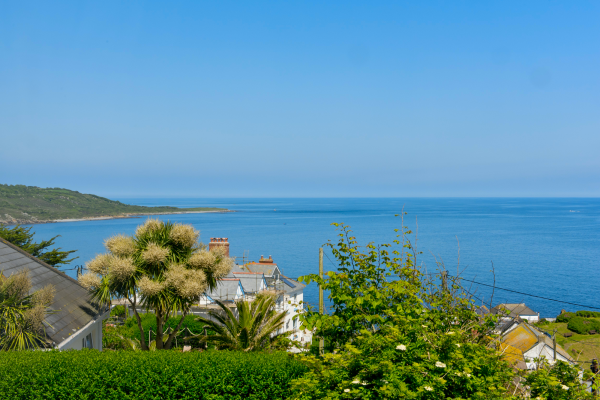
(86,342)
(295,323)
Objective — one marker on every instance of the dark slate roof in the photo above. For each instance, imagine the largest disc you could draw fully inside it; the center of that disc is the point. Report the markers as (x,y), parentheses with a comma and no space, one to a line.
(71,301)
(288,285)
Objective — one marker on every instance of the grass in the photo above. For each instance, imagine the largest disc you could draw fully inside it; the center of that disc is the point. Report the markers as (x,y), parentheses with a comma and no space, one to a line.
(30,204)
(580,347)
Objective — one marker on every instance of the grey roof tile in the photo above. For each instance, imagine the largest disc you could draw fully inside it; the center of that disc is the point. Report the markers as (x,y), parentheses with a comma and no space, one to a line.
(72,306)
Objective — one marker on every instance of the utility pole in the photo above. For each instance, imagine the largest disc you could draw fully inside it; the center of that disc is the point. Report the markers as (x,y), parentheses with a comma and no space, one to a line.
(554,344)
(321,308)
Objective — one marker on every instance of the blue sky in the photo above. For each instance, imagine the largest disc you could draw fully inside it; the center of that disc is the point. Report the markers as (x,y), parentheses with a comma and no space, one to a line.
(310,99)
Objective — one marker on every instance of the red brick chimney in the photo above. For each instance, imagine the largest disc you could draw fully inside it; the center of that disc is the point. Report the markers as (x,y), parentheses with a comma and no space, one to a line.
(264,260)
(219,242)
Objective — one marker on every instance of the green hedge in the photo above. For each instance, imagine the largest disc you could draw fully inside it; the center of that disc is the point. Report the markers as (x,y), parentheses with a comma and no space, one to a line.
(90,374)
(588,314)
(583,325)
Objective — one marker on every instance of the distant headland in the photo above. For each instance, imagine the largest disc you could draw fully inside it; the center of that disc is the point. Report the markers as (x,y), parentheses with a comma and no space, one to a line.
(20,204)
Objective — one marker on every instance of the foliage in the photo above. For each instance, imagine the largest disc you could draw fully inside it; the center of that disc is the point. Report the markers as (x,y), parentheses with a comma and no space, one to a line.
(23,238)
(162,267)
(397,333)
(252,329)
(118,311)
(588,314)
(30,204)
(583,326)
(565,317)
(556,382)
(22,315)
(120,337)
(89,374)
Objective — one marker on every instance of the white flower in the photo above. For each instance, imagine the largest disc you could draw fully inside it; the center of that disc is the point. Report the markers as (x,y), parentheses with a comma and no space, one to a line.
(457,344)
(450,333)
(468,375)
(364,383)
(565,387)
(428,388)
(440,364)
(401,347)
(356,381)
(424,326)
(346,390)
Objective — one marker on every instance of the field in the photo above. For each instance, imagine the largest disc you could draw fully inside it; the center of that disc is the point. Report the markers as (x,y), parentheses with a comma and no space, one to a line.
(30,204)
(580,347)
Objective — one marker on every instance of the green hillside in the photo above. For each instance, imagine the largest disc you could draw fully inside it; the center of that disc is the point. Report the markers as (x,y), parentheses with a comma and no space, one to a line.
(30,204)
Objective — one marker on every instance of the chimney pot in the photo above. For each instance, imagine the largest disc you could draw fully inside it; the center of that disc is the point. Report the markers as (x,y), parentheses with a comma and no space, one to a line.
(219,242)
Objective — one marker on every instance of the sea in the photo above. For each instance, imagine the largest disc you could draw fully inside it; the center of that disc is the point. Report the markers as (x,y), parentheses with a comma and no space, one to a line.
(544,252)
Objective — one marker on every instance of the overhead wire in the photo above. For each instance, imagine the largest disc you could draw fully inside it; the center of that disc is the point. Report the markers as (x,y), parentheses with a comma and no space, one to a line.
(528,294)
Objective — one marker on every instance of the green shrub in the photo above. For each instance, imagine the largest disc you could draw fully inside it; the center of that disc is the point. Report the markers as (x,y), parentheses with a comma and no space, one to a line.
(90,374)
(118,311)
(130,328)
(565,317)
(583,325)
(588,314)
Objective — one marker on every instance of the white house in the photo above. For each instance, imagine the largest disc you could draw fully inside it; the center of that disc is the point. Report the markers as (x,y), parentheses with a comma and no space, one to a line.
(76,322)
(526,343)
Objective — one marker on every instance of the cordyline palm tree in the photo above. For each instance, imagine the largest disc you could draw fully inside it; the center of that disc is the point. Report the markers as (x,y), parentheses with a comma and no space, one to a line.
(162,267)
(22,315)
(251,330)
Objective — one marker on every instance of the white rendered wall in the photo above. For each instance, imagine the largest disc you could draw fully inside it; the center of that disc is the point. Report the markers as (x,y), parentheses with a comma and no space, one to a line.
(74,342)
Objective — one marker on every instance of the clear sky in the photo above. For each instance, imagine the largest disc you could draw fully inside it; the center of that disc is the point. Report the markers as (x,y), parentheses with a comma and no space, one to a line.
(301,98)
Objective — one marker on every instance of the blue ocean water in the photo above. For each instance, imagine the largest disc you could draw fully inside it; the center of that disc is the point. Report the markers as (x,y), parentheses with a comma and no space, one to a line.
(543,247)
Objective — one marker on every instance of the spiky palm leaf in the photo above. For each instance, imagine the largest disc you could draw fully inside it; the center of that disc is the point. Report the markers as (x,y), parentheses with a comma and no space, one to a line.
(16,332)
(253,329)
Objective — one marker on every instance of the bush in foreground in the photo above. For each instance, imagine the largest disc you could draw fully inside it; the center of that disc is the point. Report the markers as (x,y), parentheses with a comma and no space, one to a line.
(89,374)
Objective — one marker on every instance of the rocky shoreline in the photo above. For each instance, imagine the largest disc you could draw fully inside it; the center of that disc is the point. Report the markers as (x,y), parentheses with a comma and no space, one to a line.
(6,219)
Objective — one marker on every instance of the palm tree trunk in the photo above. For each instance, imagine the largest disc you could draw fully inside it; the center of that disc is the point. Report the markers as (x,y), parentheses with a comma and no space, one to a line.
(143,344)
(174,333)
(159,329)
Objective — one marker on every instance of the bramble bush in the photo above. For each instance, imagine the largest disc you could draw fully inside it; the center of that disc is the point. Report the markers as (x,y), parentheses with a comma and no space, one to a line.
(397,333)
(90,374)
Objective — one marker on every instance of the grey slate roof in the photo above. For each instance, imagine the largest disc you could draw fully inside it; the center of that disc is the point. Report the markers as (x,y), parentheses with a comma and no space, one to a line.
(73,308)
(266,268)
(250,282)
(226,289)
(516,309)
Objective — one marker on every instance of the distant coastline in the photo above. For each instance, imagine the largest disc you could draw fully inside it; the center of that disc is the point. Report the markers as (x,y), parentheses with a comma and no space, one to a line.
(20,204)
(106,217)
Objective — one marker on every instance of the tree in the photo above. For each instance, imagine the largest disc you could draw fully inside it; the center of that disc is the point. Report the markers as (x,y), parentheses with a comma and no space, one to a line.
(162,267)
(23,237)
(397,333)
(22,315)
(253,329)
